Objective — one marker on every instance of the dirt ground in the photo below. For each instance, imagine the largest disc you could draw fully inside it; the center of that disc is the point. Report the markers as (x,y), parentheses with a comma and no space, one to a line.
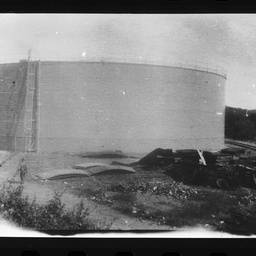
(146,200)
(88,189)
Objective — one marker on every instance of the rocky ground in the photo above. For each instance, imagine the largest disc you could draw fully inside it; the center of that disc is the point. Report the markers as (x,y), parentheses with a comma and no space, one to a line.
(148,199)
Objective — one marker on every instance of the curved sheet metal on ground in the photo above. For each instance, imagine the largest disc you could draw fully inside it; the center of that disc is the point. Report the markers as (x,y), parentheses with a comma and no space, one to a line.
(85,170)
(104,154)
(62,174)
(125,161)
(93,169)
(87,166)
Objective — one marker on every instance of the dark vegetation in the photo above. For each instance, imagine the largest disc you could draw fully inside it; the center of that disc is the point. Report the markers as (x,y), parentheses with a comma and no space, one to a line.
(240,124)
(208,208)
(53,216)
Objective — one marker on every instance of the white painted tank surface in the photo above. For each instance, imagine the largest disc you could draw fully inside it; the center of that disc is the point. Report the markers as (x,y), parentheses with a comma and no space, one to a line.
(93,106)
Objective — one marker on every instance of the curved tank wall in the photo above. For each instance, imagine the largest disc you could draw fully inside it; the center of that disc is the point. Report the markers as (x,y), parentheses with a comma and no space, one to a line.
(12,105)
(130,107)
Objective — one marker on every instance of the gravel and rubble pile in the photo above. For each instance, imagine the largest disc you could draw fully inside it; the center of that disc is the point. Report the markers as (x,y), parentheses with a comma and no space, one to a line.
(246,200)
(102,198)
(174,189)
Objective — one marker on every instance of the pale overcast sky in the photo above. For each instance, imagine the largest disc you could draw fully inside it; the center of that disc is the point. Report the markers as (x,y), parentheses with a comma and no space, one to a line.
(226,40)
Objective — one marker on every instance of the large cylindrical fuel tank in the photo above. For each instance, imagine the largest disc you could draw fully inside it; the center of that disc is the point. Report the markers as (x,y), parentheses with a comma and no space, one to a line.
(88,106)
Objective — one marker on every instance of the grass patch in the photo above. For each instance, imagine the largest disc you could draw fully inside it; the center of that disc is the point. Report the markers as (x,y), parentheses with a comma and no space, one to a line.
(195,212)
(210,209)
(53,216)
(124,202)
(127,198)
(190,214)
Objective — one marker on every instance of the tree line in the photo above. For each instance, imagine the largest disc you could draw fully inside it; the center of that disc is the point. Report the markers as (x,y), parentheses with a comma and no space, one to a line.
(240,124)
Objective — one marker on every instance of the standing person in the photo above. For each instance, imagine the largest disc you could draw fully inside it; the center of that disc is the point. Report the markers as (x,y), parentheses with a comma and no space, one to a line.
(22,169)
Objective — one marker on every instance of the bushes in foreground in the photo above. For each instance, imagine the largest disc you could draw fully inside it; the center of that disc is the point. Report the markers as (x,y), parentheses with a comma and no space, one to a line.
(53,216)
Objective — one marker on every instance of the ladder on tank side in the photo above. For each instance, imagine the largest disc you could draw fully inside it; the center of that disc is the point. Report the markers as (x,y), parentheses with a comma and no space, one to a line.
(28,121)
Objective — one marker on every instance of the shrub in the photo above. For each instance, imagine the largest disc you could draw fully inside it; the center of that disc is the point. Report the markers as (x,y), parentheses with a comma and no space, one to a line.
(52,216)
(240,124)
